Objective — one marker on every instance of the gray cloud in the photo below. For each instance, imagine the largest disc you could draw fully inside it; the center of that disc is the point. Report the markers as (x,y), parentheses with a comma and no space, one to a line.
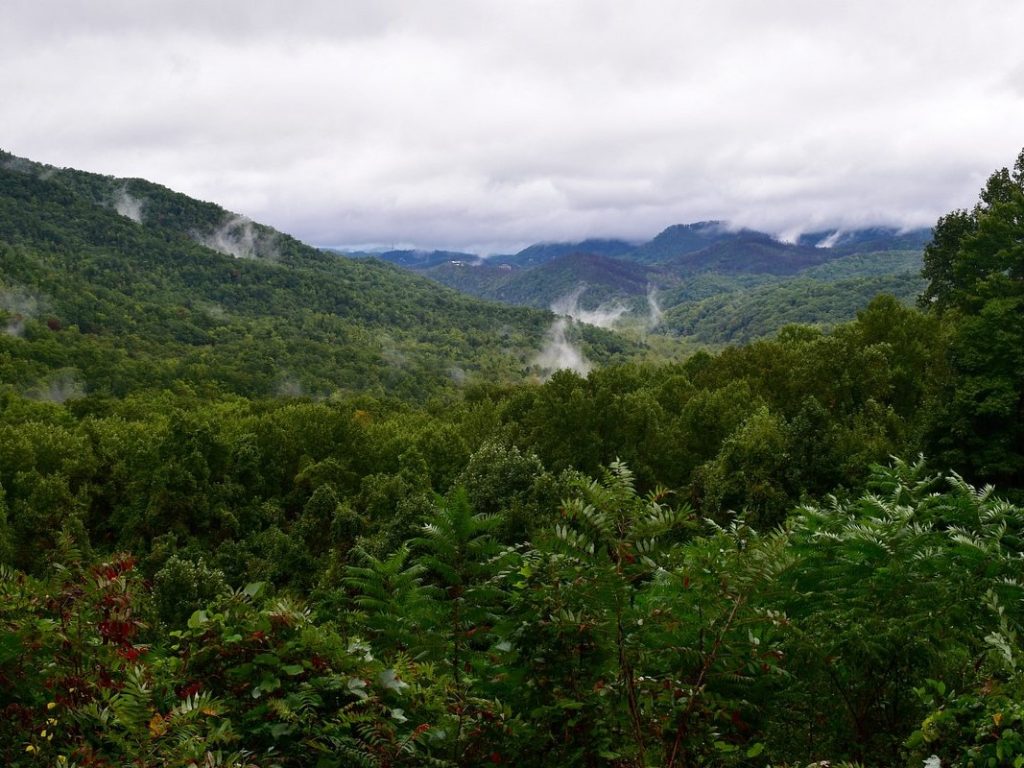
(559,353)
(129,206)
(484,123)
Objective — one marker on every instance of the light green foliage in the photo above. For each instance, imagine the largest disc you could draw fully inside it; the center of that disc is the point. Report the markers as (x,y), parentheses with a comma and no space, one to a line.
(392,599)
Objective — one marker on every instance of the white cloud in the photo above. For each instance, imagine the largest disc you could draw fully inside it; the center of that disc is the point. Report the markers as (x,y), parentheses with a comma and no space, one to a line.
(483,122)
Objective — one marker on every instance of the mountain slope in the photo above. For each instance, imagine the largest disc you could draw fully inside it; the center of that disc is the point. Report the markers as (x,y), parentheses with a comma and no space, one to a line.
(682,264)
(174,292)
(415,260)
(539,253)
(717,308)
(868,239)
(749,253)
(680,239)
(604,278)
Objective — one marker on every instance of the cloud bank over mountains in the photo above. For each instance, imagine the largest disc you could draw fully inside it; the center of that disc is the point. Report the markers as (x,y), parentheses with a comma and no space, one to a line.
(484,125)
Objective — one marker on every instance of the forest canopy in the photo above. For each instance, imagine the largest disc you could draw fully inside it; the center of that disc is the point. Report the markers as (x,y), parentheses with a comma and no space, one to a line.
(249,516)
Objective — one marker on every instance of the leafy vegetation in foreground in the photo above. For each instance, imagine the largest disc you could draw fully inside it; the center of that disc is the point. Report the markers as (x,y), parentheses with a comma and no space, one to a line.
(625,633)
(707,562)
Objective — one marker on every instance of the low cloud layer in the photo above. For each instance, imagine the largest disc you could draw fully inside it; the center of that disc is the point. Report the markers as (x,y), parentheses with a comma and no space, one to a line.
(237,236)
(17,305)
(485,125)
(604,316)
(128,206)
(559,353)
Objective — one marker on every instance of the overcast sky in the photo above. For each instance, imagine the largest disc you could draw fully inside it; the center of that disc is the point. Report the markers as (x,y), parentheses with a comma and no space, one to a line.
(489,124)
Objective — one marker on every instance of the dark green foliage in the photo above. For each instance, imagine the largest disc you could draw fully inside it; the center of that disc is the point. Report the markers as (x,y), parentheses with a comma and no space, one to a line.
(182,587)
(863,585)
(975,267)
(392,599)
(743,316)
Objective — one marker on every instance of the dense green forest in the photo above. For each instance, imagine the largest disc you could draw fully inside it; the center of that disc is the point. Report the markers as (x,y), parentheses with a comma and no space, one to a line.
(237,529)
(193,296)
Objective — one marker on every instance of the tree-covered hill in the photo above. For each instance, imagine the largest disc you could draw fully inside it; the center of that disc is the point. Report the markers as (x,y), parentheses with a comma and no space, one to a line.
(750,253)
(680,239)
(413,259)
(868,239)
(108,285)
(539,253)
(740,316)
(605,279)
(714,308)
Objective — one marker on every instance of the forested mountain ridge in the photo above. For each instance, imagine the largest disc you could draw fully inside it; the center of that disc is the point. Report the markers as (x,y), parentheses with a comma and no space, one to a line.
(605,279)
(723,245)
(108,284)
(695,273)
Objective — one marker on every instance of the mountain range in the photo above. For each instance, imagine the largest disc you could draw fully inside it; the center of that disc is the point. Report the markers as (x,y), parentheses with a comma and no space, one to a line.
(693,275)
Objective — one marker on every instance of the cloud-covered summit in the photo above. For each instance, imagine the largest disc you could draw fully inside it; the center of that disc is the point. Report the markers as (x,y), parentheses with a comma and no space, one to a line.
(484,125)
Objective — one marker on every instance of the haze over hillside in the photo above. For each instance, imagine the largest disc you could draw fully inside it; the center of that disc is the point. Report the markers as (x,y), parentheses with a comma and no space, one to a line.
(107,284)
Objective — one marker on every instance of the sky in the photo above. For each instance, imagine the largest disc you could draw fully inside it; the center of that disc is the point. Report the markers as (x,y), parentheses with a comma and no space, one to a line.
(485,125)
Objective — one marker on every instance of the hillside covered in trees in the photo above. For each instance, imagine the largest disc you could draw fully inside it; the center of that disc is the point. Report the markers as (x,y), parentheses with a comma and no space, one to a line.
(707,283)
(111,285)
(249,515)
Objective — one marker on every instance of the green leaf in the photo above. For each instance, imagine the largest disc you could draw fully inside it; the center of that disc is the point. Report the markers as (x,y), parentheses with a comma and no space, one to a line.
(755,749)
(357,687)
(269,683)
(252,589)
(10,647)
